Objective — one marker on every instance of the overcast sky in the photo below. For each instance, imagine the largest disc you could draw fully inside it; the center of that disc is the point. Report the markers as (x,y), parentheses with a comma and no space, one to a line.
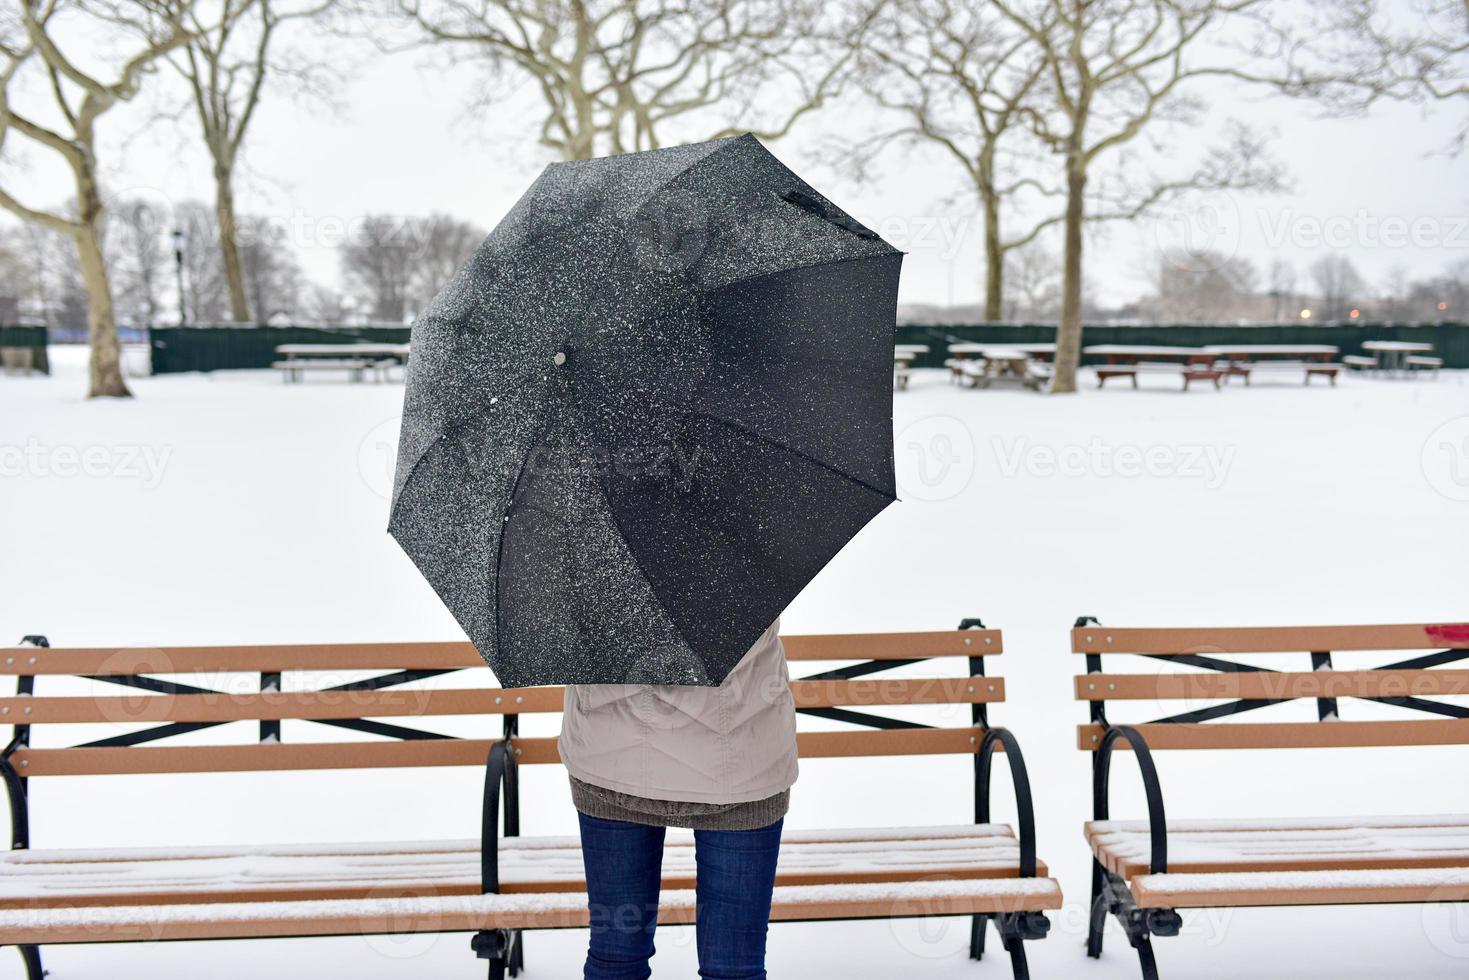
(401,140)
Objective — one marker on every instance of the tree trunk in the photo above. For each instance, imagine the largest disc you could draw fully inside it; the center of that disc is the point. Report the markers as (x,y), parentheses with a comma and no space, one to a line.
(994,259)
(106,354)
(1068,331)
(229,242)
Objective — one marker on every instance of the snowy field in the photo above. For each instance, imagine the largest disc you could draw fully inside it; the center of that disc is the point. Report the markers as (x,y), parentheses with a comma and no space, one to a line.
(232,508)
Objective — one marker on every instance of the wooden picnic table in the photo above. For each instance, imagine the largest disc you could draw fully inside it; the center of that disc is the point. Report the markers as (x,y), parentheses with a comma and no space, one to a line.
(1315,359)
(1123,361)
(1392,355)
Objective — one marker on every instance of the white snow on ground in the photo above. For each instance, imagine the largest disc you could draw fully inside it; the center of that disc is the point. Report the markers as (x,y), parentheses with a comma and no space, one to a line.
(233,508)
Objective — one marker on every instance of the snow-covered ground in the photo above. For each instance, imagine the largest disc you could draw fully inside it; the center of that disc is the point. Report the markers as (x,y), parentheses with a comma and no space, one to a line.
(233,508)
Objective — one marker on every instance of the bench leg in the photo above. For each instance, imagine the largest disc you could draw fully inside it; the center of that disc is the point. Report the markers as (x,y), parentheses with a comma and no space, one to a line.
(1146,960)
(1014,929)
(517,952)
(496,946)
(1018,966)
(1097,925)
(977,930)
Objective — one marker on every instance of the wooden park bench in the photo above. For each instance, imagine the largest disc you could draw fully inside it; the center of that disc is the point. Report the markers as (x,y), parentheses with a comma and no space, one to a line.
(504,882)
(1144,871)
(1359,362)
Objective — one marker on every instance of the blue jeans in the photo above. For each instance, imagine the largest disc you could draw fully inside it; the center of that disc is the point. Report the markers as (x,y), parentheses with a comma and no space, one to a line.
(624,863)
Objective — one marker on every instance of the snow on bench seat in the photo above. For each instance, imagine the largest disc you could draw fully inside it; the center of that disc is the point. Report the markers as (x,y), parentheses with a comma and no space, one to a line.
(1349,887)
(1333,843)
(97,876)
(466,913)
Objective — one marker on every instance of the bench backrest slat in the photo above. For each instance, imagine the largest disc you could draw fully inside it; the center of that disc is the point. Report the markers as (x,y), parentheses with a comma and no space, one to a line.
(429,752)
(322,705)
(446,655)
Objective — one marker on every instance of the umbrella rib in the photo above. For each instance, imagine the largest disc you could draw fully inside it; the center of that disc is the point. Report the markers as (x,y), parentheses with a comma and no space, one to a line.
(523,380)
(743,430)
(612,515)
(505,520)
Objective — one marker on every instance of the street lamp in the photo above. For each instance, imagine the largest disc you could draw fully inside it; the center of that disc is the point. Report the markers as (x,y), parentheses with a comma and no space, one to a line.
(178,259)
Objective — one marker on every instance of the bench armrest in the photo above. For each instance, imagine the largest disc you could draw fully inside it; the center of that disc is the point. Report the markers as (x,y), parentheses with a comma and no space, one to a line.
(1101,771)
(1025,810)
(499,772)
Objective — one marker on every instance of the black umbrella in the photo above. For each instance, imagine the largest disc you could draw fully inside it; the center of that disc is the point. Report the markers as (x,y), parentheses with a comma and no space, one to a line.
(652,406)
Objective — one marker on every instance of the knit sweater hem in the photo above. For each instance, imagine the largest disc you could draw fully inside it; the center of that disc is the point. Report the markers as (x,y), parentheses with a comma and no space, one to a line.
(609,804)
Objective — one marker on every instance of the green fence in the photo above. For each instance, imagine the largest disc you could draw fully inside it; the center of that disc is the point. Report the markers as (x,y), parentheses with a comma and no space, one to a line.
(1450,340)
(232,347)
(176,349)
(24,348)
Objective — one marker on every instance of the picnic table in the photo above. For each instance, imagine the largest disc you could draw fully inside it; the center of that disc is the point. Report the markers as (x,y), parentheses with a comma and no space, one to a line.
(1125,360)
(355,359)
(1395,355)
(1315,359)
(1023,362)
(903,355)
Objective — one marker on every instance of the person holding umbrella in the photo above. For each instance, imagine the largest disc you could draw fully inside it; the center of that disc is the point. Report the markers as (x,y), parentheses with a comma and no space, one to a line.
(719,760)
(655,403)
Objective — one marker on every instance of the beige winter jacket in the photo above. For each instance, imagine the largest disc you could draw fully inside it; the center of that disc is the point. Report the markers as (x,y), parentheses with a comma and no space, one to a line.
(728,744)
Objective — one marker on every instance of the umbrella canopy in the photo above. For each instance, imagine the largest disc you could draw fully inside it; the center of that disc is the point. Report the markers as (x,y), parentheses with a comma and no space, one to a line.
(652,406)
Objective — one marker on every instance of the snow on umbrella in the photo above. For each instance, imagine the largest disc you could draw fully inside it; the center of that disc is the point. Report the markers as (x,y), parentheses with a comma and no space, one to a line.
(652,406)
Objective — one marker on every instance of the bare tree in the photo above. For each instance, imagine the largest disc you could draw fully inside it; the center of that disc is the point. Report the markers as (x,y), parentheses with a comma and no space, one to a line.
(1032,282)
(441,245)
(1338,285)
(226,65)
(377,261)
(613,74)
(145,30)
(206,294)
(961,77)
(326,306)
(1115,69)
(56,294)
(139,260)
(272,274)
(1282,278)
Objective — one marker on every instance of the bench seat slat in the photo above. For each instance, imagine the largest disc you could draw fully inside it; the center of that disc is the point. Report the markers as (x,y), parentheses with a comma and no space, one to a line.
(429,752)
(293,873)
(1221,846)
(390,703)
(466,913)
(1268,888)
(1289,735)
(296,657)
